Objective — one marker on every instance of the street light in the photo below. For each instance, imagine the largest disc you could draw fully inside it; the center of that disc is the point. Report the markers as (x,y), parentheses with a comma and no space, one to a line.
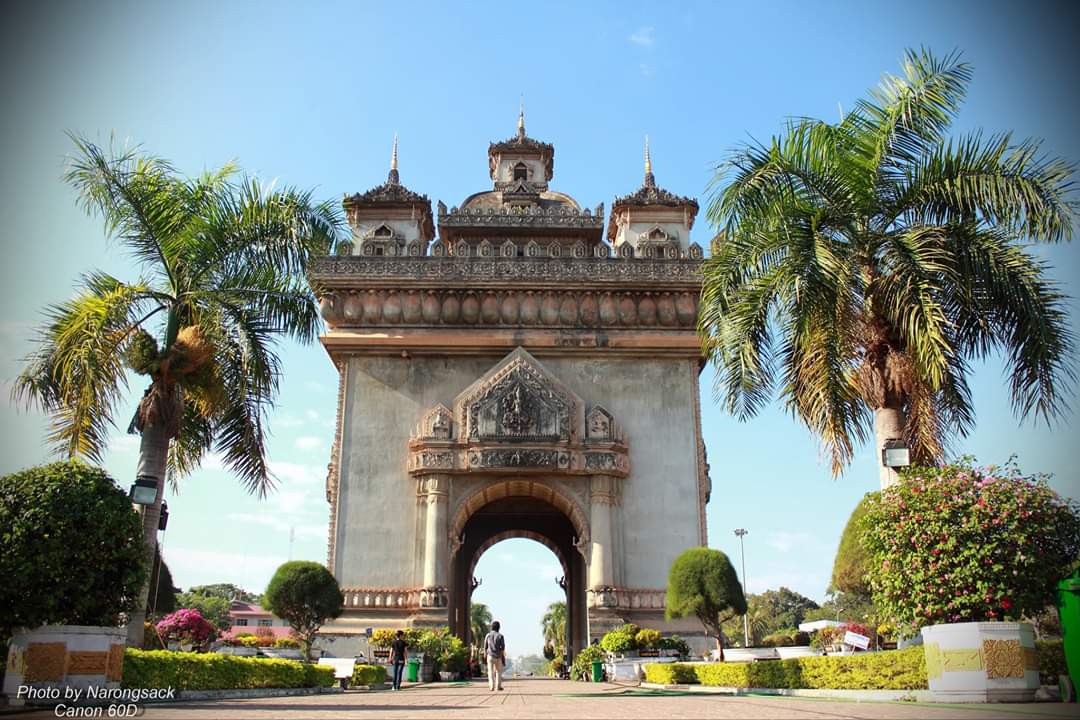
(144,491)
(741,533)
(895,454)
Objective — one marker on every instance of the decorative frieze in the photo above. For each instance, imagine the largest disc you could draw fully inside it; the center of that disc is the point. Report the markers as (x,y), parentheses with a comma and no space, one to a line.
(639,309)
(335,271)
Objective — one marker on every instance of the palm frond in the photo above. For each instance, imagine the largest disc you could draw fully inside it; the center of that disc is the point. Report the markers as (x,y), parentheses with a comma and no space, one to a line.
(76,374)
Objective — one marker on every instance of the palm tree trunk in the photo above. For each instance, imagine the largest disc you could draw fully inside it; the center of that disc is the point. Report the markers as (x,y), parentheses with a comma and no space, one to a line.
(153,455)
(889,424)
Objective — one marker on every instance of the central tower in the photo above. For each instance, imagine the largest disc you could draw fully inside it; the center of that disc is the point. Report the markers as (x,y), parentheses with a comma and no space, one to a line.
(518,376)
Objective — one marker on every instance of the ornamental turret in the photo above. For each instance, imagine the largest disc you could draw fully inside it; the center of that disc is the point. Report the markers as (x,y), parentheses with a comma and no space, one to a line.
(652,220)
(520,216)
(390,219)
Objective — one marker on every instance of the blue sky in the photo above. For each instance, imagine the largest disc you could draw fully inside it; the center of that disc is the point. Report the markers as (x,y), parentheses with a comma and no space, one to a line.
(311,94)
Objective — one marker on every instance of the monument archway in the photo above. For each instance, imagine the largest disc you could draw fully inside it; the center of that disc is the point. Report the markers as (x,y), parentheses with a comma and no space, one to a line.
(516,509)
(531,370)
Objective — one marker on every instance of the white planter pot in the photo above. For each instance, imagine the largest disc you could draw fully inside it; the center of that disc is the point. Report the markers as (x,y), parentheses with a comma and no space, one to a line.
(283,653)
(797,651)
(240,651)
(54,657)
(982,662)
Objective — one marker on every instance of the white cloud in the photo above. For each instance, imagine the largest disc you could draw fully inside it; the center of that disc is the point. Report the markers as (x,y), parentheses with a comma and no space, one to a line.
(200,567)
(298,474)
(124,444)
(308,442)
(312,530)
(643,37)
(315,386)
(786,541)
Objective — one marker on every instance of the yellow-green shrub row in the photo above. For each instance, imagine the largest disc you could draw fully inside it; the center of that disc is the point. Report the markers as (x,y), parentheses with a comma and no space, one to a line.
(368,674)
(211,671)
(892,670)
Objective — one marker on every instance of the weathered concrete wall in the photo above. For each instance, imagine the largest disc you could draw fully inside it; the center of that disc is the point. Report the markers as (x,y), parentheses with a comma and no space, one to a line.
(379,532)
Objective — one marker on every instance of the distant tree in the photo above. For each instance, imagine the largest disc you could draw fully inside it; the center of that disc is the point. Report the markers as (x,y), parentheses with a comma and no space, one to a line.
(227,591)
(702,582)
(162,591)
(553,626)
(850,565)
(845,608)
(479,621)
(770,612)
(306,595)
(214,608)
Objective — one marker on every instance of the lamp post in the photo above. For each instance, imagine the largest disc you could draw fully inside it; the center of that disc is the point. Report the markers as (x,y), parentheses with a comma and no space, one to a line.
(741,533)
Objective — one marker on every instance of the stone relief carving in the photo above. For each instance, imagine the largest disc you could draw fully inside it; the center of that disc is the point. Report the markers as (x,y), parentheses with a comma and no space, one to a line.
(518,417)
(519,402)
(334,270)
(436,425)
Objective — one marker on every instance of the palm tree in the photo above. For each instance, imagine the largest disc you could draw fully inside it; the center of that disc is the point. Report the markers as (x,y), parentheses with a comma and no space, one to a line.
(553,625)
(223,266)
(864,266)
(479,621)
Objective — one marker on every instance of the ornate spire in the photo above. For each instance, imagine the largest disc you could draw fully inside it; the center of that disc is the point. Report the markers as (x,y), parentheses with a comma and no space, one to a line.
(393,178)
(521,117)
(650,181)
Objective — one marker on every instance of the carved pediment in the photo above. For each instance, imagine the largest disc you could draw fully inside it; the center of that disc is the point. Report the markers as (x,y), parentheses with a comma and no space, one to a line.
(518,418)
(436,425)
(518,401)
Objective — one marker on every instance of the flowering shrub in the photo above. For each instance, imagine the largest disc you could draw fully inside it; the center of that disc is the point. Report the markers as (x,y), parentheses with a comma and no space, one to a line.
(964,544)
(185,626)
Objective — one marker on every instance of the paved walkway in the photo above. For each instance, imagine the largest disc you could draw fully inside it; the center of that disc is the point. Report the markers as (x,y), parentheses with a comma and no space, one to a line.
(546,699)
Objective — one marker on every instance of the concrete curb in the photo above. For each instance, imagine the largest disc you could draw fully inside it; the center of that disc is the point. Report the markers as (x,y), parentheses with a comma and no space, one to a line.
(856,695)
(1043,694)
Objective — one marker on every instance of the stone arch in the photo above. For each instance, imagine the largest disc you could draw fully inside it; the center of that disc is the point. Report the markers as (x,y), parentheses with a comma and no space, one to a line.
(519,488)
(514,534)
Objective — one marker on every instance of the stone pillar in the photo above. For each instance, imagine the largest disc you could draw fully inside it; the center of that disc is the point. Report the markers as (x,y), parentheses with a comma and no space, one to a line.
(601,528)
(433,492)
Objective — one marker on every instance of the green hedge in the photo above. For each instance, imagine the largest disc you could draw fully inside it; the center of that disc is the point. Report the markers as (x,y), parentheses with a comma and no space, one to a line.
(1051,660)
(211,671)
(368,674)
(891,670)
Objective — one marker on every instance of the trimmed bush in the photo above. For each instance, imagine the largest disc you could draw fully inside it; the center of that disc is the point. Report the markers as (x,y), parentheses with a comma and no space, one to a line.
(286,643)
(647,639)
(306,595)
(72,548)
(582,665)
(674,642)
(368,675)
(891,670)
(1051,660)
(621,640)
(211,671)
(670,674)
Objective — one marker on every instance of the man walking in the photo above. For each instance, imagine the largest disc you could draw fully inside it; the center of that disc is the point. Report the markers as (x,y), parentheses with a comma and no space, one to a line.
(399,653)
(495,652)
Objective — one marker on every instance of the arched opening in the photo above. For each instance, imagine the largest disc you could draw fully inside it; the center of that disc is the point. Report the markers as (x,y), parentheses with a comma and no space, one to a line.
(519,510)
(521,171)
(519,576)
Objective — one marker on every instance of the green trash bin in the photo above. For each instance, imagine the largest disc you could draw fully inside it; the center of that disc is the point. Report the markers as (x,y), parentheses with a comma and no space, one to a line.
(413,673)
(1069,607)
(597,670)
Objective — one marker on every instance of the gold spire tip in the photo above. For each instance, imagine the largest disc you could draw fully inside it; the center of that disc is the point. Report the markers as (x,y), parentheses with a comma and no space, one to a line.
(393,155)
(648,159)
